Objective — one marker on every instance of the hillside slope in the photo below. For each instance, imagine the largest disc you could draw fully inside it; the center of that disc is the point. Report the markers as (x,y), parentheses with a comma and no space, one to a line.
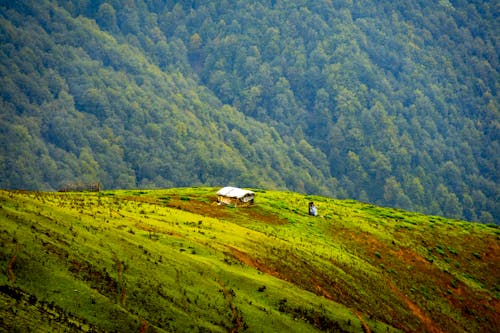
(174,260)
(390,103)
(81,105)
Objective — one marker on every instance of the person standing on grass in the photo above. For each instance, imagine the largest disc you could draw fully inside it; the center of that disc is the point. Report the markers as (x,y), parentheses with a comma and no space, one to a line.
(313,210)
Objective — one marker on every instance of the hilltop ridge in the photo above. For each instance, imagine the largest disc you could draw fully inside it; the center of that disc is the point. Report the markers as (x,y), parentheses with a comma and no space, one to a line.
(174,260)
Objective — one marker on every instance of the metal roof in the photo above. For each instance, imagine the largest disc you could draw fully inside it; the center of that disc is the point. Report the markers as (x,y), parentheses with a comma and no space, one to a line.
(235,192)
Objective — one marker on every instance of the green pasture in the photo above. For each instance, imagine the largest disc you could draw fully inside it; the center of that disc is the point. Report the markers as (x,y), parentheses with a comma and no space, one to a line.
(174,260)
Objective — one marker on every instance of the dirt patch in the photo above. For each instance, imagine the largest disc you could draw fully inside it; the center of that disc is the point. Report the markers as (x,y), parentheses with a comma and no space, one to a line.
(154,229)
(417,312)
(424,284)
(397,260)
(409,257)
(237,321)
(144,327)
(96,279)
(305,277)
(322,291)
(366,328)
(208,206)
(253,262)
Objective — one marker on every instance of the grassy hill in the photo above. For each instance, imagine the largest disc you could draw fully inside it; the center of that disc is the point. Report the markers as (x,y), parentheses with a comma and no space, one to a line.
(174,260)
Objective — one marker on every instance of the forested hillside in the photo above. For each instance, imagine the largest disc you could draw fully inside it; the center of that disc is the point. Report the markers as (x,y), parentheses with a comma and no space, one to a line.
(394,103)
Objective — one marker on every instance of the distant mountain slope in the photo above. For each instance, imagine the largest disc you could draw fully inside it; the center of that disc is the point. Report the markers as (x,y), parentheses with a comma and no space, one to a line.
(391,103)
(80,105)
(175,261)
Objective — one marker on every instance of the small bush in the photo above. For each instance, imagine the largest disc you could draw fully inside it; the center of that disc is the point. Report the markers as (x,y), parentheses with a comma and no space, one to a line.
(440,250)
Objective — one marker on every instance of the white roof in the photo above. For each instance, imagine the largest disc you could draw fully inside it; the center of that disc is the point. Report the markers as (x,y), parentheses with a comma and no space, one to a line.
(234,192)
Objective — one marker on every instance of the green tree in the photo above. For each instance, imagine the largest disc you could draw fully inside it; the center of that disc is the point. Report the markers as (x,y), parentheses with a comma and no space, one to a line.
(448,201)
(106,18)
(394,194)
(89,167)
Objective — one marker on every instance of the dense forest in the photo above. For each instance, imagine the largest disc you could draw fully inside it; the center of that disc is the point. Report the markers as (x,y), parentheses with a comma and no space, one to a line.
(393,103)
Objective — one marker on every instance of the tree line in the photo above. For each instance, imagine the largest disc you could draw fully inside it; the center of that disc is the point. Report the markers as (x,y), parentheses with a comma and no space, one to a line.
(390,103)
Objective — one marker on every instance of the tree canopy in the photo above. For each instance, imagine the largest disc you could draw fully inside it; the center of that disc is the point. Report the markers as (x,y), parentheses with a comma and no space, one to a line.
(395,103)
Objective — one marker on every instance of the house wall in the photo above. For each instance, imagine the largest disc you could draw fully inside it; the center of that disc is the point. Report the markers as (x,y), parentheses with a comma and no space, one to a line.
(233,201)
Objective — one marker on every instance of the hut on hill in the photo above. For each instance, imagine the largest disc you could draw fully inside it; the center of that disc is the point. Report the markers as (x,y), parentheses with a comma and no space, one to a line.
(235,196)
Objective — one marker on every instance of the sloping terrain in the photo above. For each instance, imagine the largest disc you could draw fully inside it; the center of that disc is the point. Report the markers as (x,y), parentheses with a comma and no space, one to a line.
(174,261)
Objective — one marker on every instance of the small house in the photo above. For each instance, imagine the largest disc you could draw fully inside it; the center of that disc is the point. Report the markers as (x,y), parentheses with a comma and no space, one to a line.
(235,196)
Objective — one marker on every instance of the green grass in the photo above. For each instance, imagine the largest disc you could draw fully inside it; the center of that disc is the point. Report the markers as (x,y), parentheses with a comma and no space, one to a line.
(175,261)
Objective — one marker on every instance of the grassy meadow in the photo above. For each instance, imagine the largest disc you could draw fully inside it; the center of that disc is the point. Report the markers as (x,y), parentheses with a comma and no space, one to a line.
(174,261)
